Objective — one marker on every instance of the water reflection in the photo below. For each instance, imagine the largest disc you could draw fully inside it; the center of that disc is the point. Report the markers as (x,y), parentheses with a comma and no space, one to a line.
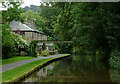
(76,69)
(42,73)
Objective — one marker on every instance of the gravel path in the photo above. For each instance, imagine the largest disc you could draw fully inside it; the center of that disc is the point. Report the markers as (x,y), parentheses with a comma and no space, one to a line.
(10,66)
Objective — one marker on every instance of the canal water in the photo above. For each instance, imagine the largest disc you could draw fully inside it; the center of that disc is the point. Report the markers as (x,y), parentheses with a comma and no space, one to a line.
(76,69)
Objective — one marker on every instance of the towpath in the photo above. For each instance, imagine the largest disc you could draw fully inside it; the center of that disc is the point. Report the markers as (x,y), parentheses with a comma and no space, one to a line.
(11,66)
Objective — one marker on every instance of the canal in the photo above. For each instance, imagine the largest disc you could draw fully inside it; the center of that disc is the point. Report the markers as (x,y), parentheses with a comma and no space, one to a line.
(76,69)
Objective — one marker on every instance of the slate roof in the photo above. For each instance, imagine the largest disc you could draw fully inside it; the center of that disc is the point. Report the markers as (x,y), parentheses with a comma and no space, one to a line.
(15,25)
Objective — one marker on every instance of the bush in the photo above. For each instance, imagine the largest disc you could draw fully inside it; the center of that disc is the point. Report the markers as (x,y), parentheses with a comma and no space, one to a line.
(44,46)
(65,47)
(23,53)
(8,44)
(115,75)
(33,48)
(46,52)
(12,43)
(115,59)
(100,55)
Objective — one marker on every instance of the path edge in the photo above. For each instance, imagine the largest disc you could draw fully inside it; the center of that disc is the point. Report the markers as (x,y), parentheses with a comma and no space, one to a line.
(36,68)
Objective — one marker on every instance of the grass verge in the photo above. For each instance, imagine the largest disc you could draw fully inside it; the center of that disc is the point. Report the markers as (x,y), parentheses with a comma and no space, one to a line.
(15,59)
(14,74)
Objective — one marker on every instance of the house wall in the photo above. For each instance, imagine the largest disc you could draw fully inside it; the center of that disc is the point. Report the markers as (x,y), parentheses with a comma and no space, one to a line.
(28,36)
(39,36)
(44,37)
(34,36)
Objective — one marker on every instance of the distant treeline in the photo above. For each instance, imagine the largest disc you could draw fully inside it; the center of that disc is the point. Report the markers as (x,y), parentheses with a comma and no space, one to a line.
(33,8)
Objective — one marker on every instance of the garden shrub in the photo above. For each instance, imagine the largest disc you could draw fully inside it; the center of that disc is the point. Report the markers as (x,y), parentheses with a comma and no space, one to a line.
(8,44)
(46,52)
(100,55)
(115,59)
(33,48)
(44,46)
(12,43)
(115,75)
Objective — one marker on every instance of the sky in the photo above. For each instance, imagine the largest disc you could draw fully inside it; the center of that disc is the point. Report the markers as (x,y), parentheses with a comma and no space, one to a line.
(26,3)
(30,2)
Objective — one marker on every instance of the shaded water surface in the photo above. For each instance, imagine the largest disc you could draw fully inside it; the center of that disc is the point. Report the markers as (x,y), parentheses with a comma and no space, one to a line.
(76,69)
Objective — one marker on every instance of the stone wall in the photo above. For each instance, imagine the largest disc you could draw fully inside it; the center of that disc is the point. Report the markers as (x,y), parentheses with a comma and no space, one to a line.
(28,36)
(34,36)
(44,37)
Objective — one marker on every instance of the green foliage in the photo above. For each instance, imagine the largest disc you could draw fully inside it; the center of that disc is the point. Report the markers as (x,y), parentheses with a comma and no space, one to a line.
(65,48)
(100,55)
(11,43)
(8,44)
(48,14)
(115,59)
(55,46)
(12,13)
(32,7)
(115,75)
(92,27)
(41,22)
(44,46)
(44,19)
(46,52)
(0,16)
(33,48)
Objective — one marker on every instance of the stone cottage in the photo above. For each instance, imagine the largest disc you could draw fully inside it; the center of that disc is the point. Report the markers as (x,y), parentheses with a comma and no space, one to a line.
(27,32)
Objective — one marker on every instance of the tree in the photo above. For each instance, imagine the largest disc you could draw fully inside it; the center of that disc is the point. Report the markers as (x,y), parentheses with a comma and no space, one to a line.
(33,48)
(32,7)
(91,26)
(49,14)
(12,13)
(11,43)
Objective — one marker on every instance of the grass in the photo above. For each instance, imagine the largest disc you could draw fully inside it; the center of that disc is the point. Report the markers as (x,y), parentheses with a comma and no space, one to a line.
(20,71)
(16,73)
(15,59)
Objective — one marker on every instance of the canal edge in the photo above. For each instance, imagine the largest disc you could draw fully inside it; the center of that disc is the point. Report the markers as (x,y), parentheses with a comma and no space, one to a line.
(35,69)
